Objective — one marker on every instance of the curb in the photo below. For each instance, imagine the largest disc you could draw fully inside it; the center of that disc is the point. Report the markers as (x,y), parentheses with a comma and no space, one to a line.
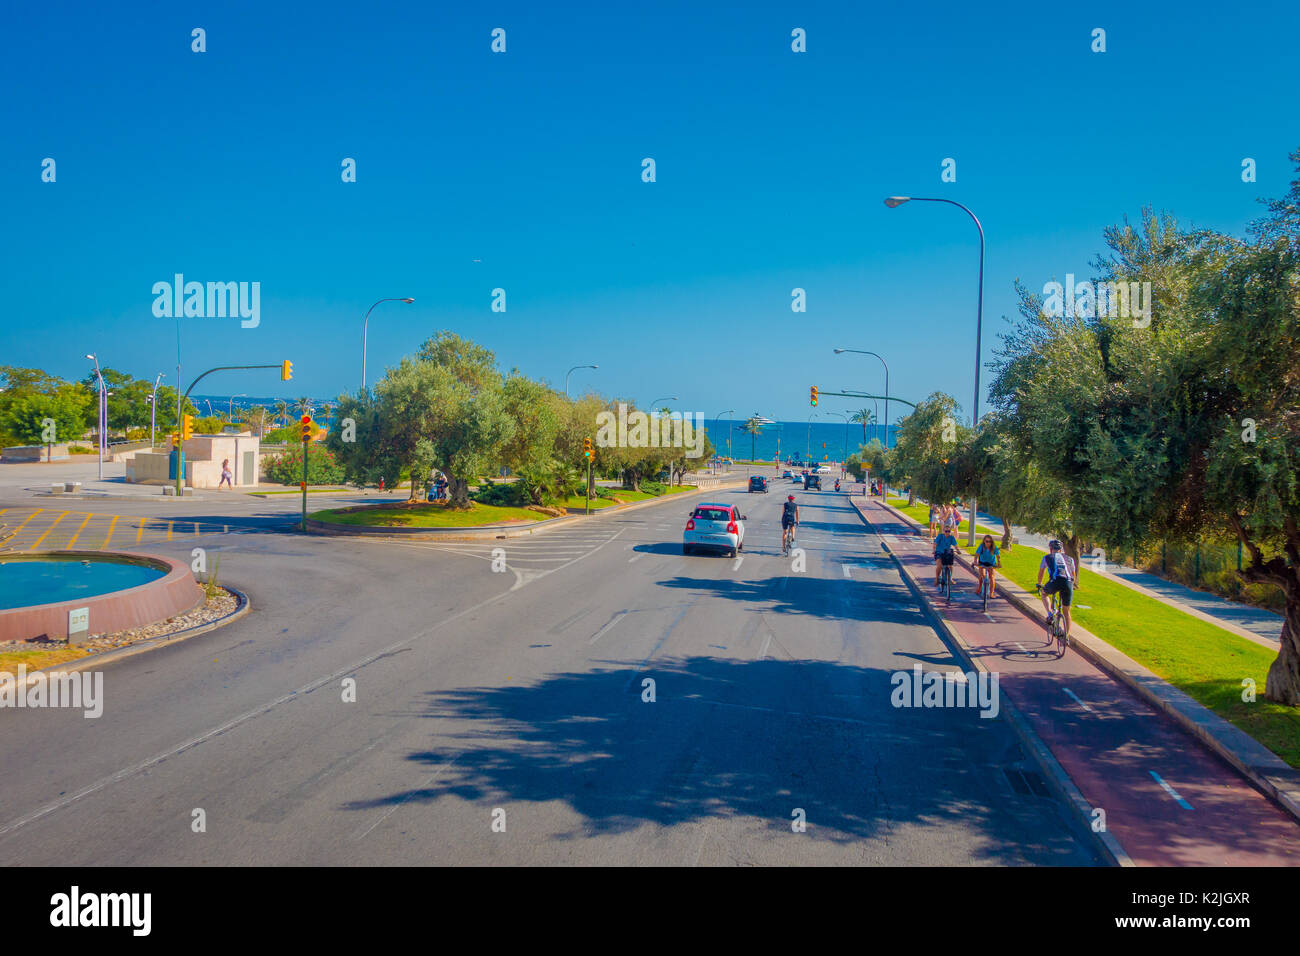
(117,653)
(328,529)
(1038,751)
(1265,770)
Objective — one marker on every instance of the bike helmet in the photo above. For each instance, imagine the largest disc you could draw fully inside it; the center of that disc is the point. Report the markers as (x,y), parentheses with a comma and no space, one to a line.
(1054,545)
(790,497)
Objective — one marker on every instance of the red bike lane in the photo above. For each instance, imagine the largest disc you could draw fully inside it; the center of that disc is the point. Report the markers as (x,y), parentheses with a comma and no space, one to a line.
(1167,800)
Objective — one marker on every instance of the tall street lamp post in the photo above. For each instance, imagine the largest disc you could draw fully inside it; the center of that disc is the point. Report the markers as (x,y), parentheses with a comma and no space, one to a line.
(570,372)
(893,202)
(718,418)
(365,329)
(102,412)
(153,410)
(882,362)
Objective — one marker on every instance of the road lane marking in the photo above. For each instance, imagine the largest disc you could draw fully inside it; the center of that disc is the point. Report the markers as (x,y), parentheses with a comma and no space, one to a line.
(608,624)
(739,560)
(109,537)
(140,533)
(37,543)
(169,529)
(1076,699)
(847,573)
(636,557)
(1171,791)
(77,533)
(14,534)
(421,789)
(767,643)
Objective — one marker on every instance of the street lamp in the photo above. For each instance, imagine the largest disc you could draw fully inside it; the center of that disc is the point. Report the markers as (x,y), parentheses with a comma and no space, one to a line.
(846,431)
(230,406)
(103,411)
(893,202)
(153,410)
(882,362)
(570,372)
(807,448)
(718,418)
(667,398)
(365,328)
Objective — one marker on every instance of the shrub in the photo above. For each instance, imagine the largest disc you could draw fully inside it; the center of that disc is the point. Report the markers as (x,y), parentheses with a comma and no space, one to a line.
(322,467)
(502,494)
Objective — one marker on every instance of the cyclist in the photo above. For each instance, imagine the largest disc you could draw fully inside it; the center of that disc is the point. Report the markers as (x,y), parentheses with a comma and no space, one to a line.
(945,553)
(1061,578)
(987,558)
(789,521)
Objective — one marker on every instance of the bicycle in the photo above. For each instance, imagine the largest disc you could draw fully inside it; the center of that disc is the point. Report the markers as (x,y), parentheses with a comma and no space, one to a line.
(787,539)
(1056,620)
(983,589)
(945,582)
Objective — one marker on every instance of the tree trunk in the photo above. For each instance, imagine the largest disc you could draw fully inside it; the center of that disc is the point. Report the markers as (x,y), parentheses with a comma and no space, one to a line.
(458,490)
(1006,534)
(1283,684)
(1070,546)
(911,497)
(414,496)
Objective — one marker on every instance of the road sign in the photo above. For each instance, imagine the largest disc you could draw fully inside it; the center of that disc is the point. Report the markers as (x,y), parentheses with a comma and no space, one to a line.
(78,623)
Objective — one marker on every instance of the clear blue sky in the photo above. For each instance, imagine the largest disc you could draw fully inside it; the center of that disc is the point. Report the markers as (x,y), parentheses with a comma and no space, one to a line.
(771,168)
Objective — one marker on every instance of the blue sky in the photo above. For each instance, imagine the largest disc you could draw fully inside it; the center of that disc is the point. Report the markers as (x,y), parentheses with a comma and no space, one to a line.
(771,168)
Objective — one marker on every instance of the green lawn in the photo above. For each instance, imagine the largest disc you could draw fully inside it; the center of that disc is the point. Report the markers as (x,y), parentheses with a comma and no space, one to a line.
(921,514)
(426,515)
(580,501)
(1203,661)
(298,491)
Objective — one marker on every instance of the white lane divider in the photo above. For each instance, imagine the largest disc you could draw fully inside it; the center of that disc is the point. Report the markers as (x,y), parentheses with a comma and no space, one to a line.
(1073,696)
(636,557)
(608,624)
(847,573)
(1171,791)
(740,559)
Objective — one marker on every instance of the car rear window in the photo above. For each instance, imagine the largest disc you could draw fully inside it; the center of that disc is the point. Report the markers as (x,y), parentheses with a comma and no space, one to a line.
(713,514)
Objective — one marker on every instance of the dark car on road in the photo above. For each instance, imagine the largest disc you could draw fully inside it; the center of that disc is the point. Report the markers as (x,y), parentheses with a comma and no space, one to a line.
(757,483)
(812,481)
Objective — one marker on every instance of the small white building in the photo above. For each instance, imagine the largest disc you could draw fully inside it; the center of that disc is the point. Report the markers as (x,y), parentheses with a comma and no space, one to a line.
(204,455)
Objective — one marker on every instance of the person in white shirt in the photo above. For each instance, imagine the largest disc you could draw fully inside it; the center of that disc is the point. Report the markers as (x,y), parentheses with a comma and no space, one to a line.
(1061,578)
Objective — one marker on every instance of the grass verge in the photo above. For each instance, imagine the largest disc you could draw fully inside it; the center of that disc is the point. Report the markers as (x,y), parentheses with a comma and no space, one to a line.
(425,515)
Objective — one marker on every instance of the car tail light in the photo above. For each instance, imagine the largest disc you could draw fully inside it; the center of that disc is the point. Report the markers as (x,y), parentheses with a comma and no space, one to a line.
(690,524)
(732,529)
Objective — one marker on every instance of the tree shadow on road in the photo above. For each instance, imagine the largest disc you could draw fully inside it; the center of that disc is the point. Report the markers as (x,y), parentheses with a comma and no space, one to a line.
(727,739)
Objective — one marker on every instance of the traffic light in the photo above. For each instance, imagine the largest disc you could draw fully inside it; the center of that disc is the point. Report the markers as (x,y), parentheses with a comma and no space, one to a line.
(187,427)
(586,448)
(286,370)
(812,395)
(306,428)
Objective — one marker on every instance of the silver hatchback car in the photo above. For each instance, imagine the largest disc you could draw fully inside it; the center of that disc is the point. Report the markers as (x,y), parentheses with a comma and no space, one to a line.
(714,527)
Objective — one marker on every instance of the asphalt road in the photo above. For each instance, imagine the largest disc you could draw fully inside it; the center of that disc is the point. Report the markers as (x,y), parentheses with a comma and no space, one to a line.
(517,697)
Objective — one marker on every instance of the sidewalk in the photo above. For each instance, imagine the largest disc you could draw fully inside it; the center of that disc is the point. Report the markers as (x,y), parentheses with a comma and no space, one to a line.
(1255,623)
(1166,799)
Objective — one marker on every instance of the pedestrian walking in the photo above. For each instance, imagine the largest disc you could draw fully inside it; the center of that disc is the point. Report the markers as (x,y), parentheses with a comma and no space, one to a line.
(227,476)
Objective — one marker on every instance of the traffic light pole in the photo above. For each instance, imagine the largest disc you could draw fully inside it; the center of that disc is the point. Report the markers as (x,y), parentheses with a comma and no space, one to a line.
(304,479)
(181,403)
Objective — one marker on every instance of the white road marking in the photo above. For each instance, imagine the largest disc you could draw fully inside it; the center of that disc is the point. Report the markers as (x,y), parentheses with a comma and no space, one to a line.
(767,643)
(1022,647)
(636,557)
(424,786)
(1171,791)
(608,624)
(846,571)
(737,563)
(1076,699)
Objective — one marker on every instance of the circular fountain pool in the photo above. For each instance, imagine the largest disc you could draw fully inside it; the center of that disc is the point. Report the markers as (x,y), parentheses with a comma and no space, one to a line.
(116,591)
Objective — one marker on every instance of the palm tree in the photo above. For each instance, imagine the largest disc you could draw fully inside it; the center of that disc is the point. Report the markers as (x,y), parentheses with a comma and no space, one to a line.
(755,428)
(865,417)
(282,412)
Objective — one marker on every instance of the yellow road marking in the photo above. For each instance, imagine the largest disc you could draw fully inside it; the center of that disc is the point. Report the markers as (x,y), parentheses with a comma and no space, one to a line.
(169,529)
(14,535)
(37,543)
(111,525)
(139,535)
(76,534)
